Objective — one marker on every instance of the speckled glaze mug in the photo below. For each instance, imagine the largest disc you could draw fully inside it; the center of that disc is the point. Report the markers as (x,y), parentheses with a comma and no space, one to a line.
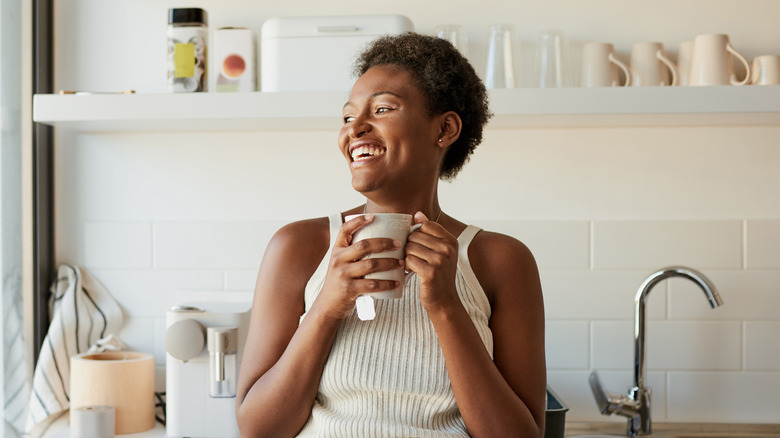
(396,226)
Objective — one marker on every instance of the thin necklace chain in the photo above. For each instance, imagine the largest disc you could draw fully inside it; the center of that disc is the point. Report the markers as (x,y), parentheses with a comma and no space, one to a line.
(365,206)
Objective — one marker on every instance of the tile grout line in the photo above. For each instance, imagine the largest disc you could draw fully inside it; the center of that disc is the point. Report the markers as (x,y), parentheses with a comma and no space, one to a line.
(744,244)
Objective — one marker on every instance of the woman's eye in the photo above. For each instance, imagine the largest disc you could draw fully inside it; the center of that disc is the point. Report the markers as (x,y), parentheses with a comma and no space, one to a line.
(382,110)
(348,119)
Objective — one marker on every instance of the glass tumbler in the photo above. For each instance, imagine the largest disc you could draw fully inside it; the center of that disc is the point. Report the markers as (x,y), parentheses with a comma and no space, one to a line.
(551,68)
(456,35)
(500,68)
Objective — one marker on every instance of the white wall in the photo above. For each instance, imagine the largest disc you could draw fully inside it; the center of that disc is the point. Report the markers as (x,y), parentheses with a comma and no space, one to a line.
(159,218)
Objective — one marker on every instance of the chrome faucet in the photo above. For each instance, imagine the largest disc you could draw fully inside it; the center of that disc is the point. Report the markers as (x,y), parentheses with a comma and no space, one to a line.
(636,405)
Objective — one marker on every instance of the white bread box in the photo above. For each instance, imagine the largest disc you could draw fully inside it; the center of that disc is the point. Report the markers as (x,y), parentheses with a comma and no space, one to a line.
(318,53)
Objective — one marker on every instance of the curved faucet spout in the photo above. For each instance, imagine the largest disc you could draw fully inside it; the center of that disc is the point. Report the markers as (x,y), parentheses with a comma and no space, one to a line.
(636,406)
(640,348)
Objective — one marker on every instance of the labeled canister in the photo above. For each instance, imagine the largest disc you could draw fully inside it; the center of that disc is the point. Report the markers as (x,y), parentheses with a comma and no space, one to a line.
(187,41)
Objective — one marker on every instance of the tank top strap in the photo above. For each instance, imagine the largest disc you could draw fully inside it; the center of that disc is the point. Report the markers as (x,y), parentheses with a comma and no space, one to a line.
(467,235)
(335,226)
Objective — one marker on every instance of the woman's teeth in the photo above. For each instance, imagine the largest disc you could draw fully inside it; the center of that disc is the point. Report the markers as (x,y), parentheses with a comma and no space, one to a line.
(366,151)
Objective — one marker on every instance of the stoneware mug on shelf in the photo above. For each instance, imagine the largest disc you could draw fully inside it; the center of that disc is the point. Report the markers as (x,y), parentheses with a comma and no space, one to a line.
(600,66)
(765,70)
(712,62)
(650,67)
(684,58)
(396,226)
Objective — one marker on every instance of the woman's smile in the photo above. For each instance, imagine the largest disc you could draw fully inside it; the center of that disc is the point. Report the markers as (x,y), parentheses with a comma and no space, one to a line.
(362,151)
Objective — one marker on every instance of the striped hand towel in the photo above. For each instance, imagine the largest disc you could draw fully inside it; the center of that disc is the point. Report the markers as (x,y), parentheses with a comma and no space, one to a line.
(82,311)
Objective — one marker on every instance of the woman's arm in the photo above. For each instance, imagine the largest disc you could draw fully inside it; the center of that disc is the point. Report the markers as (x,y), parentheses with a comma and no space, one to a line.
(504,396)
(282,362)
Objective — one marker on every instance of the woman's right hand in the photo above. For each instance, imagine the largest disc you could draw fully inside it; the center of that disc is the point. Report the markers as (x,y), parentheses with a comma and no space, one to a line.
(348,265)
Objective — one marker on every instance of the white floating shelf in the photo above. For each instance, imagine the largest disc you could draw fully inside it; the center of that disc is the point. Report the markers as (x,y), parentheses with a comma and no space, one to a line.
(514,108)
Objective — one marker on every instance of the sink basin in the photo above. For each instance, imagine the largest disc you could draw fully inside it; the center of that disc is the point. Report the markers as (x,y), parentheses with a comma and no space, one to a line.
(597,436)
(555,416)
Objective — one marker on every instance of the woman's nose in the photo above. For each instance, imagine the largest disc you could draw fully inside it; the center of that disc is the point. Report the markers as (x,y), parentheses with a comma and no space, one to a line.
(360,126)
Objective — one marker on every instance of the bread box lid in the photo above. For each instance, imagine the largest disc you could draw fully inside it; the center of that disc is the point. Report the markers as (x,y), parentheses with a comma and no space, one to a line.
(335,26)
(317,53)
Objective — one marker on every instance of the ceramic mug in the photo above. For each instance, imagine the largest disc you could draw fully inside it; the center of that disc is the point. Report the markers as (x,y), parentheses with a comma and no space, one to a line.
(765,70)
(600,66)
(649,65)
(684,58)
(712,62)
(396,226)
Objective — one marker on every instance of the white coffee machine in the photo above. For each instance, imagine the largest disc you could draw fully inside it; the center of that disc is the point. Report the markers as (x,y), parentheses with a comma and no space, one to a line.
(204,343)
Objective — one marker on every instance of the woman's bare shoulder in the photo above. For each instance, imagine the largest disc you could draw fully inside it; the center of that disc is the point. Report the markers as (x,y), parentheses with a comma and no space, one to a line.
(499,260)
(297,248)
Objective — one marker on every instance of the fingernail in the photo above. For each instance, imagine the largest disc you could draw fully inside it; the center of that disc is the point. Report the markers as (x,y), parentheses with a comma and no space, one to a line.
(396,244)
(401,262)
(368,216)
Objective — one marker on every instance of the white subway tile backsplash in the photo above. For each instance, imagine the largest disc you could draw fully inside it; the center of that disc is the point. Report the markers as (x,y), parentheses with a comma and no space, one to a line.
(749,397)
(670,345)
(762,242)
(567,344)
(138,334)
(555,244)
(150,293)
(197,241)
(654,244)
(612,345)
(762,346)
(159,341)
(747,295)
(243,279)
(597,295)
(229,245)
(117,245)
(694,345)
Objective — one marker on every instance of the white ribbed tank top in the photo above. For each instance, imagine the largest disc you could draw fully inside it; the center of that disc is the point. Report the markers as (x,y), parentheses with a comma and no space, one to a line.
(387,377)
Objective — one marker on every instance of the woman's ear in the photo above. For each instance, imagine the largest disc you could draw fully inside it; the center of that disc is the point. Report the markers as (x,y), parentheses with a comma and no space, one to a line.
(450,128)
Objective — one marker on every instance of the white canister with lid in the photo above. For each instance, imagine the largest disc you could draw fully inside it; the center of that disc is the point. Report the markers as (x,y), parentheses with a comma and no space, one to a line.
(187,40)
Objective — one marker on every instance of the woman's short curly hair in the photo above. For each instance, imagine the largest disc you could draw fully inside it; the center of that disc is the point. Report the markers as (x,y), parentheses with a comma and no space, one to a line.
(446,78)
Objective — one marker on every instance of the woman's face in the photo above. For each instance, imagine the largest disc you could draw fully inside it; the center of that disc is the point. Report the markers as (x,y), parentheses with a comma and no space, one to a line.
(388,137)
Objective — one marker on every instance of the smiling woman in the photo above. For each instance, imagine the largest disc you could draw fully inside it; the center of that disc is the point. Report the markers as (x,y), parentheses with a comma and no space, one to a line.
(461,352)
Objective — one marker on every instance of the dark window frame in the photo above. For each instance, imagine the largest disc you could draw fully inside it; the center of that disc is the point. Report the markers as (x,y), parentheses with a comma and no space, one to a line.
(43,263)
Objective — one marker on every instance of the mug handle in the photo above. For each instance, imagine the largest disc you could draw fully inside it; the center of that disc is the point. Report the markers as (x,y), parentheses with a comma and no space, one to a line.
(623,67)
(412,229)
(743,61)
(668,64)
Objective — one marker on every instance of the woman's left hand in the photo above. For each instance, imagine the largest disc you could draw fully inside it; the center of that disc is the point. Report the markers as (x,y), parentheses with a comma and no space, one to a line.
(432,253)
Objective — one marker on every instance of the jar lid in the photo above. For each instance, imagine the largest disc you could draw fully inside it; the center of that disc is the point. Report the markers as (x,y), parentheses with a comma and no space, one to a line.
(187,15)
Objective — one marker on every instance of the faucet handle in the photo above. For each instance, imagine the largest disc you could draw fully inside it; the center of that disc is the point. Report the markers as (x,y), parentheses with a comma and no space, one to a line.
(610,403)
(599,393)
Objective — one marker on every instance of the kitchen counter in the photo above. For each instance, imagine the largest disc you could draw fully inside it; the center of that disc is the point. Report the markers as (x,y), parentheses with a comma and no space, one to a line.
(680,430)
(60,428)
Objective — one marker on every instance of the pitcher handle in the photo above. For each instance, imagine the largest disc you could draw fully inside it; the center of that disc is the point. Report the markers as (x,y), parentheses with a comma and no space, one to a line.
(668,64)
(623,67)
(744,62)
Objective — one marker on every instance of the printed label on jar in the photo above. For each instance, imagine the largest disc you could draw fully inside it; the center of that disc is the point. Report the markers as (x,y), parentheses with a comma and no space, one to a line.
(187,59)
